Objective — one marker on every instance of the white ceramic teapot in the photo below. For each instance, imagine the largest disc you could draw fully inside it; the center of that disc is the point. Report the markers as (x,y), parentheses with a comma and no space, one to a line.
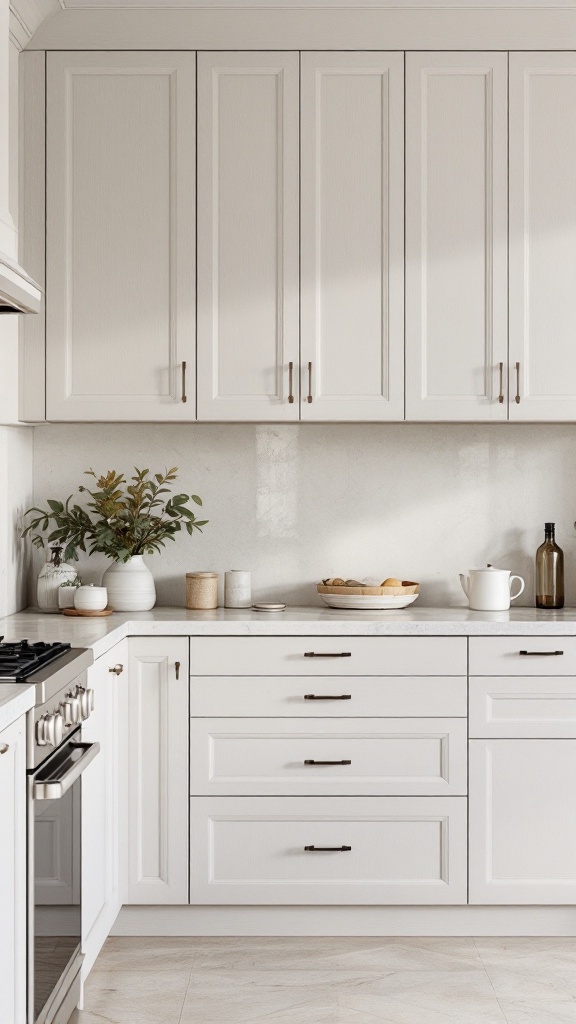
(489,589)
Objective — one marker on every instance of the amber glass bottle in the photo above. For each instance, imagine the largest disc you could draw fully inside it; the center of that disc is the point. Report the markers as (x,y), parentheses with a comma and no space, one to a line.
(549,572)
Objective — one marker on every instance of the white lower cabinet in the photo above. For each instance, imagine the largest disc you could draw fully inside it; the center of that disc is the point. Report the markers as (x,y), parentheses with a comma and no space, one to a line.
(101,889)
(13,873)
(156,771)
(337,850)
(522,821)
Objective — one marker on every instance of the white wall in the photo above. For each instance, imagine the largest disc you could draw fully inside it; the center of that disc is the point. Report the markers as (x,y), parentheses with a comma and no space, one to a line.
(298,503)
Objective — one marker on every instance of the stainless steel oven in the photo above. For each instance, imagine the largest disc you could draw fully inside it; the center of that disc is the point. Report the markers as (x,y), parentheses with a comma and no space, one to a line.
(55,880)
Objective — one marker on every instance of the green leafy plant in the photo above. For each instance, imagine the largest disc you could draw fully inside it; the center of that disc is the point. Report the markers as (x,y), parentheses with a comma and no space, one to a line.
(122,519)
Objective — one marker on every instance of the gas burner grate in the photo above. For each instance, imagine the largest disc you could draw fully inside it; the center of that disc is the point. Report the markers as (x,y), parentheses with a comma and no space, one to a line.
(19,658)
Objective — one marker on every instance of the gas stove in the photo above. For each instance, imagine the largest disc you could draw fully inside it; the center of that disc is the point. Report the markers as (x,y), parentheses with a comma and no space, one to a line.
(49,667)
(19,659)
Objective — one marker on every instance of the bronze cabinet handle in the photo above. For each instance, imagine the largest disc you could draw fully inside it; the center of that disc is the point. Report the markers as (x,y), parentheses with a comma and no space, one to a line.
(541,654)
(313,654)
(501,395)
(327,762)
(309,399)
(4,748)
(517,399)
(327,849)
(184,395)
(177,667)
(291,383)
(117,670)
(321,696)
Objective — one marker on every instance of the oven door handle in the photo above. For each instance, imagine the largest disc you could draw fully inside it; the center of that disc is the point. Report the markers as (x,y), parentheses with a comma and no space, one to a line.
(54,789)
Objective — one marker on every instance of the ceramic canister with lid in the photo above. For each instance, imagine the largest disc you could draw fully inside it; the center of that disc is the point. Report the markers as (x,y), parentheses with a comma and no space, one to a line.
(91,598)
(201,590)
(237,588)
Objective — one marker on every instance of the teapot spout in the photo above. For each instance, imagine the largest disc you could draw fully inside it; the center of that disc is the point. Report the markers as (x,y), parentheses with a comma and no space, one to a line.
(465,583)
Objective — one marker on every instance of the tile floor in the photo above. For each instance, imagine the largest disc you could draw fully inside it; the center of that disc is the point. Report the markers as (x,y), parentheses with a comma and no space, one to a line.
(333,981)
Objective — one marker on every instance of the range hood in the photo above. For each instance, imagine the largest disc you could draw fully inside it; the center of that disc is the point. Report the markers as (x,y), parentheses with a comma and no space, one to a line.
(18,292)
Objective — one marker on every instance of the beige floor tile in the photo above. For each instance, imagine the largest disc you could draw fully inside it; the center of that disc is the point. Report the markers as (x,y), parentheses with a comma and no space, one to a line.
(465,996)
(132,997)
(254,996)
(377,954)
(142,954)
(539,1012)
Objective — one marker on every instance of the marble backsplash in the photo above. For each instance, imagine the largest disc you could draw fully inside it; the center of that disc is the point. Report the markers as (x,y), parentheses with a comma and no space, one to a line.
(295,503)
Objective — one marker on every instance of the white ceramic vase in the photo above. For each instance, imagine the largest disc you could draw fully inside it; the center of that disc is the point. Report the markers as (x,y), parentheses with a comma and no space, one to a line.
(53,573)
(130,586)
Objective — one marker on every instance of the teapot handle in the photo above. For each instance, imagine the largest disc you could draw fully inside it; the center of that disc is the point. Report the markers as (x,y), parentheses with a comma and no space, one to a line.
(465,583)
(522,585)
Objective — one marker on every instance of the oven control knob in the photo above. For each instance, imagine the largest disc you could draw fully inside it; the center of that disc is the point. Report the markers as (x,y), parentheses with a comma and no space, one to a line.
(86,698)
(70,710)
(41,731)
(53,728)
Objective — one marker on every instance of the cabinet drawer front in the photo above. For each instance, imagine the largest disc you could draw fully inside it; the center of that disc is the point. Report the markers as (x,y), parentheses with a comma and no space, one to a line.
(523,656)
(523,706)
(251,850)
(365,756)
(323,697)
(328,656)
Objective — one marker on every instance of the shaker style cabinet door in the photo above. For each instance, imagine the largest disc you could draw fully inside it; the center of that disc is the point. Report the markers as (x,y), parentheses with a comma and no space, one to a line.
(542,237)
(120,271)
(248,249)
(522,827)
(456,236)
(156,766)
(352,236)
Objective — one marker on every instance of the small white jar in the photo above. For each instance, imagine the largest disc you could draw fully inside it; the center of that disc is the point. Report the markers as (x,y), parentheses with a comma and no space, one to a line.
(238,589)
(91,599)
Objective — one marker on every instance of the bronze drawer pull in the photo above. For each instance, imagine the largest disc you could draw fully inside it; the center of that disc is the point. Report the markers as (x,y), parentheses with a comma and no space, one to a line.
(517,368)
(290,383)
(184,395)
(327,849)
(501,395)
(321,696)
(327,762)
(313,654)
(309,399)
(117,670)
(542,654)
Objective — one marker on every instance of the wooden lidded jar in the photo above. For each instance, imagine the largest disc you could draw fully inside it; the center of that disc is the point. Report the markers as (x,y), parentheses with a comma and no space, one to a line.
(201,590)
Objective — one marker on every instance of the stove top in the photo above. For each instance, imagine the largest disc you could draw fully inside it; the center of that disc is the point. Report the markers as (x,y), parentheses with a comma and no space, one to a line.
(20,659)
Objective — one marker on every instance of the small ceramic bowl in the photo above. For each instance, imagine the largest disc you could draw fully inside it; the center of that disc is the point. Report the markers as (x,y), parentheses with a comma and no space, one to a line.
(91,599)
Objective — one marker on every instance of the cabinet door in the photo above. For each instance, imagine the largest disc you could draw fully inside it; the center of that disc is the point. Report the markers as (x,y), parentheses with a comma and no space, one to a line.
(101,897)
(352,244)
(157,770)
(542,241)
(120,312)
(522,823)
(248,209)
(456,236)
(13,873)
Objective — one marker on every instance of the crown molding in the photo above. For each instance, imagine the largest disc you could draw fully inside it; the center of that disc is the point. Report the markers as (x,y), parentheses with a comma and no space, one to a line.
(306,28)
(26,17)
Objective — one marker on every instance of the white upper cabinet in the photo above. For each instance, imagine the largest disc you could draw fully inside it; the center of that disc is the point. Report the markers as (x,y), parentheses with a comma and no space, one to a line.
(352,236)
(248,247)
(542,236)
(120,274)
(456,236)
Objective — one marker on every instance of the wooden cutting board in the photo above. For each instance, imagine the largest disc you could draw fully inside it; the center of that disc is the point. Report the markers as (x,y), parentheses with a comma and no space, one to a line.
(77,611)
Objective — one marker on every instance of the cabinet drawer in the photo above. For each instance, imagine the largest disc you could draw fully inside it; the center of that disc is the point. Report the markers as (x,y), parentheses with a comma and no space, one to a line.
(328,656)
(523,706)
(324,697)
(382,757)
(402,850)
(523,656)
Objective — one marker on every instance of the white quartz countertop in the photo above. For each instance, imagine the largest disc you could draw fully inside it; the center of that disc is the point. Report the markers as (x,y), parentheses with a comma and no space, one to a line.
(15,700)
(102,633)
